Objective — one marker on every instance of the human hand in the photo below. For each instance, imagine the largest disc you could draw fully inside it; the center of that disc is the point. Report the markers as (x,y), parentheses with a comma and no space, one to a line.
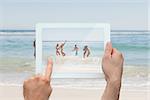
(112,64)
(38,87)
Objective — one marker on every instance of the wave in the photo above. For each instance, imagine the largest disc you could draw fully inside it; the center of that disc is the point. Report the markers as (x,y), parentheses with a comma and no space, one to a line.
(85,83)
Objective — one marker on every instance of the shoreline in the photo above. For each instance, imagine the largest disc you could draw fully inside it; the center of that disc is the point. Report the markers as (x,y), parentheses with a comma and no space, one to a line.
(91,84)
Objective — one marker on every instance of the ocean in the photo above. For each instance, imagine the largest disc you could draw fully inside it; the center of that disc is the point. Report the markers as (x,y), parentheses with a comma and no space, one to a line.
(17,62)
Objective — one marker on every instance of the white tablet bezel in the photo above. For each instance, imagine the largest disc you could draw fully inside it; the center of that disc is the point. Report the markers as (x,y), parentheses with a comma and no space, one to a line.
(41,26)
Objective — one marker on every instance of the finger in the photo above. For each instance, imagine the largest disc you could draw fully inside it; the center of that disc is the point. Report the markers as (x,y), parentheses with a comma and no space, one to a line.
(108,49)
(115,51)
(48,71)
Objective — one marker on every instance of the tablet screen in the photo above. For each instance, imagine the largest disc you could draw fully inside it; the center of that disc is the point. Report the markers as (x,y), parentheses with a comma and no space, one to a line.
(76,49)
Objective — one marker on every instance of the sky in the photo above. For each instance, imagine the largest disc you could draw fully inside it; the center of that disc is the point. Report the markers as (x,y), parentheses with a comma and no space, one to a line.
(121,14)
(77,34)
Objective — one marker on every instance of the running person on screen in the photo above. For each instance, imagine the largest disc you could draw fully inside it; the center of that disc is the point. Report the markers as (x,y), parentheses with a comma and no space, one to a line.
(57,49)
(76,49)
(86,51)
(62,49)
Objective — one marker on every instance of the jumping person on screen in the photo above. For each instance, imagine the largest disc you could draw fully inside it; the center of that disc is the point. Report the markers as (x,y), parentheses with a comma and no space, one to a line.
(86,52)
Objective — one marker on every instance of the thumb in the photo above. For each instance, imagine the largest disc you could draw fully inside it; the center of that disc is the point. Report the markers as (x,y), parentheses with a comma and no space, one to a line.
(108,49)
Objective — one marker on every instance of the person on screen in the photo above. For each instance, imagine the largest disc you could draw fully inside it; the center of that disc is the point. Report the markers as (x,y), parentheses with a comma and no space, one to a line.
(76,49)
(57,49)
(86,52)
(39,87)
(62,49)
(34,47)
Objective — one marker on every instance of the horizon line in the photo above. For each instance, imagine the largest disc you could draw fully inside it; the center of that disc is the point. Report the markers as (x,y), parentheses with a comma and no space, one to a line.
(30,30)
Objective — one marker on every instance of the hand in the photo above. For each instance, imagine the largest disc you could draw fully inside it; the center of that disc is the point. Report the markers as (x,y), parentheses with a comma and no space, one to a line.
(38,87)
(112,64)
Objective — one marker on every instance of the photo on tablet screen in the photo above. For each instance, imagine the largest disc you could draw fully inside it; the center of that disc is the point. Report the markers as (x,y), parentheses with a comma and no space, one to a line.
(76,49)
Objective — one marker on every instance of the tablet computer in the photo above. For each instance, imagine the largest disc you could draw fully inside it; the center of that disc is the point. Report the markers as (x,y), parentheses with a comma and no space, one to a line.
(76,48)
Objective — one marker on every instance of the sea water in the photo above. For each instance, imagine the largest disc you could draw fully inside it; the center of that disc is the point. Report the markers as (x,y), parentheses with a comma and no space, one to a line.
(18,63)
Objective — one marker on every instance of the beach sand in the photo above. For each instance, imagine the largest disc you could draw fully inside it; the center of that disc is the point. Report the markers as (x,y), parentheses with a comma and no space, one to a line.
(127,93)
